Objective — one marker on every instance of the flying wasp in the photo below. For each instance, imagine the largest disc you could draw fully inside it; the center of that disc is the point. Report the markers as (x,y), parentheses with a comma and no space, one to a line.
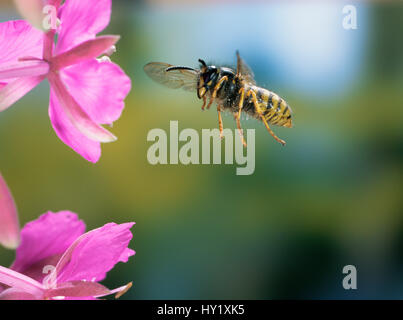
(233,91)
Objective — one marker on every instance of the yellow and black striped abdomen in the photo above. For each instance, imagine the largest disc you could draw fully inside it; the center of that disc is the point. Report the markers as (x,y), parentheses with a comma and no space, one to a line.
(275,109)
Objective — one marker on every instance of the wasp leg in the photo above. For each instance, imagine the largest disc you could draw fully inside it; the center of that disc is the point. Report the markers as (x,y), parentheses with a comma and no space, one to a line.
(238,116)
(256,104)
(220,126)
(216,88)
(210,103)
(204,102)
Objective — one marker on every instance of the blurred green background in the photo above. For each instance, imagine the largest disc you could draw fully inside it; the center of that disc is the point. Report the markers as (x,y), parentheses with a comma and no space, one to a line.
(331,197)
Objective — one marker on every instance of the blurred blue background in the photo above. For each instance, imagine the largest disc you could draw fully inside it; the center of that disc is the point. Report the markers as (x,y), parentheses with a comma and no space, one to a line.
(330,198)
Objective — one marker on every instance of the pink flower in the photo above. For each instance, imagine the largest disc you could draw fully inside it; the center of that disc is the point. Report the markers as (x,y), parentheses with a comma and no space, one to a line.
(56,259)
(9,226)
(85,93)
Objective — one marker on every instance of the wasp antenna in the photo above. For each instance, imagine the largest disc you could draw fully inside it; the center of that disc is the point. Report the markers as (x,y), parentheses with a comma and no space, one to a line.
(202,62)
(179,68)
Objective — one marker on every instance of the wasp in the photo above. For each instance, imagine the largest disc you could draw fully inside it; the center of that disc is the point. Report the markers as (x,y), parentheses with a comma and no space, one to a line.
(233,91)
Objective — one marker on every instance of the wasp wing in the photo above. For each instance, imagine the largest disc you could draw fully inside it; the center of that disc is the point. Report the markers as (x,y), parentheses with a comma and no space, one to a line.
(173,77)
(245,70)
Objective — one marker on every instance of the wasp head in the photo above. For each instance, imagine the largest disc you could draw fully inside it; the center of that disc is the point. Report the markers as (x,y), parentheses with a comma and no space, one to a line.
(207,79)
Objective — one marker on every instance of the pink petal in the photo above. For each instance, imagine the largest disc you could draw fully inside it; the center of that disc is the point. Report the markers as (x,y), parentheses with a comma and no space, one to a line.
(16,294)
(78,289)
(69,134)
(55,3)
(100,87)
(85,51)
(9,226)
(124,257)
(81,21)
(23,69)
(118,293)
(19,281)
(96,252)
(74,298)
(16,89)
(78,117)
(19,39)
(44,240)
